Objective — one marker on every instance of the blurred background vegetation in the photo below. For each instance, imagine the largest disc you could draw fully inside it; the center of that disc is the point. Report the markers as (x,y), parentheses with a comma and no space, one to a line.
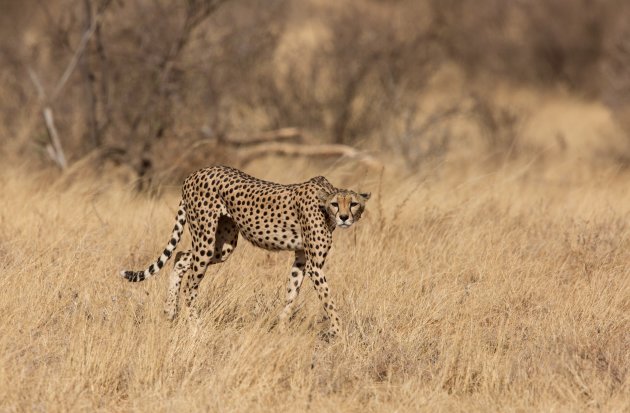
(160,88)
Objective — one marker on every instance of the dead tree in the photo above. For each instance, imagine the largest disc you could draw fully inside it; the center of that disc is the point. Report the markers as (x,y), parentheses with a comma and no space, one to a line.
(54,148)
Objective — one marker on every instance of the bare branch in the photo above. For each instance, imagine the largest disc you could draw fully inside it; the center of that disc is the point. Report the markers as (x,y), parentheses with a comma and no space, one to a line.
(75,59)
(72,64)
(54,149)
(89,80)
(58,155)
(41,94)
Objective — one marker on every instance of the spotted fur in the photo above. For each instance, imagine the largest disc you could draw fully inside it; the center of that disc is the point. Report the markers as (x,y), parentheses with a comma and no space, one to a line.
(220,202)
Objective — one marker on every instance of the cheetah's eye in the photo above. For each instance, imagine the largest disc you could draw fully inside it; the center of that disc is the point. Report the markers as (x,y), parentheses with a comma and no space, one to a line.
(334,205)
(353,204)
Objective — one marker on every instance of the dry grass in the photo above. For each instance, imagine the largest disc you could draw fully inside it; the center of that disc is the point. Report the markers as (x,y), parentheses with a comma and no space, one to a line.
(506,290)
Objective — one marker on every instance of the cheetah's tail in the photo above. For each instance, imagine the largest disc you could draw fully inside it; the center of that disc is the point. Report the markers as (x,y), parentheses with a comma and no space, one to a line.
(135,276)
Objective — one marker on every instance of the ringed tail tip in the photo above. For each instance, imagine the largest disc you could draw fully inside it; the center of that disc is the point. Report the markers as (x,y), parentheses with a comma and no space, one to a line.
(132,276)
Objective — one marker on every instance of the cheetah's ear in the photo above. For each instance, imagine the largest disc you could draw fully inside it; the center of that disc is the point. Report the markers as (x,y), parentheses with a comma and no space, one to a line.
(365,195)
(322,197)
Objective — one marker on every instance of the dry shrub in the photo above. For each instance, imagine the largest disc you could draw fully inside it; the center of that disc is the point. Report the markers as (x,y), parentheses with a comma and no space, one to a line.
(370,58)
(545,43)
(154,73)
(360,72)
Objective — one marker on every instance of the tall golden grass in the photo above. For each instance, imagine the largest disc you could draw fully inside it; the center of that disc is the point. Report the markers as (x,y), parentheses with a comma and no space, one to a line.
(503,289)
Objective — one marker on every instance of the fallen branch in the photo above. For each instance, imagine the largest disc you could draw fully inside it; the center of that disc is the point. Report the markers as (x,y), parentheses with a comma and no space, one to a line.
(276,142)
(279,135)
(294,150)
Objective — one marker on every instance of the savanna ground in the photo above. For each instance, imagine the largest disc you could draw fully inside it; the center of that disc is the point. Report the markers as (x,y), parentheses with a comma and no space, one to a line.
(503,289)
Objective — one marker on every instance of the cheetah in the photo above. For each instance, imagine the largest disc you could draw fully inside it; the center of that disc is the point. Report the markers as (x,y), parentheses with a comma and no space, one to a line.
(220,202)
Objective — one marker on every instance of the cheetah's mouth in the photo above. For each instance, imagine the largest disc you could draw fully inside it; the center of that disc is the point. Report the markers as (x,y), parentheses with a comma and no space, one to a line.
(344,225)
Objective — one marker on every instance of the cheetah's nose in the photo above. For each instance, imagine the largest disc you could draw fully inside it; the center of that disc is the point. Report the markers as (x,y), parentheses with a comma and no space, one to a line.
(343,217)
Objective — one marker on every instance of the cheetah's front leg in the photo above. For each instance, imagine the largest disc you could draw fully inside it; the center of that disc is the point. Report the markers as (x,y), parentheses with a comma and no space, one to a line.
(323,292)
(293,287)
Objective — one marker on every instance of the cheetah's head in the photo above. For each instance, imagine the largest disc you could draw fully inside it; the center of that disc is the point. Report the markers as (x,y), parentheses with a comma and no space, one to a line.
(345,207)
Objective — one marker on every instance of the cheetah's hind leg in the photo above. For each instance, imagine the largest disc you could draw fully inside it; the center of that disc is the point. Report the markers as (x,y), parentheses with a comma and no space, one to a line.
(206,251)
(180,267)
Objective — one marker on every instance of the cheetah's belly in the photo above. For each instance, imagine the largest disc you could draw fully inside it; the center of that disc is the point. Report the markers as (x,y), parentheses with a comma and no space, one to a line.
(271,224)
(273,238)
